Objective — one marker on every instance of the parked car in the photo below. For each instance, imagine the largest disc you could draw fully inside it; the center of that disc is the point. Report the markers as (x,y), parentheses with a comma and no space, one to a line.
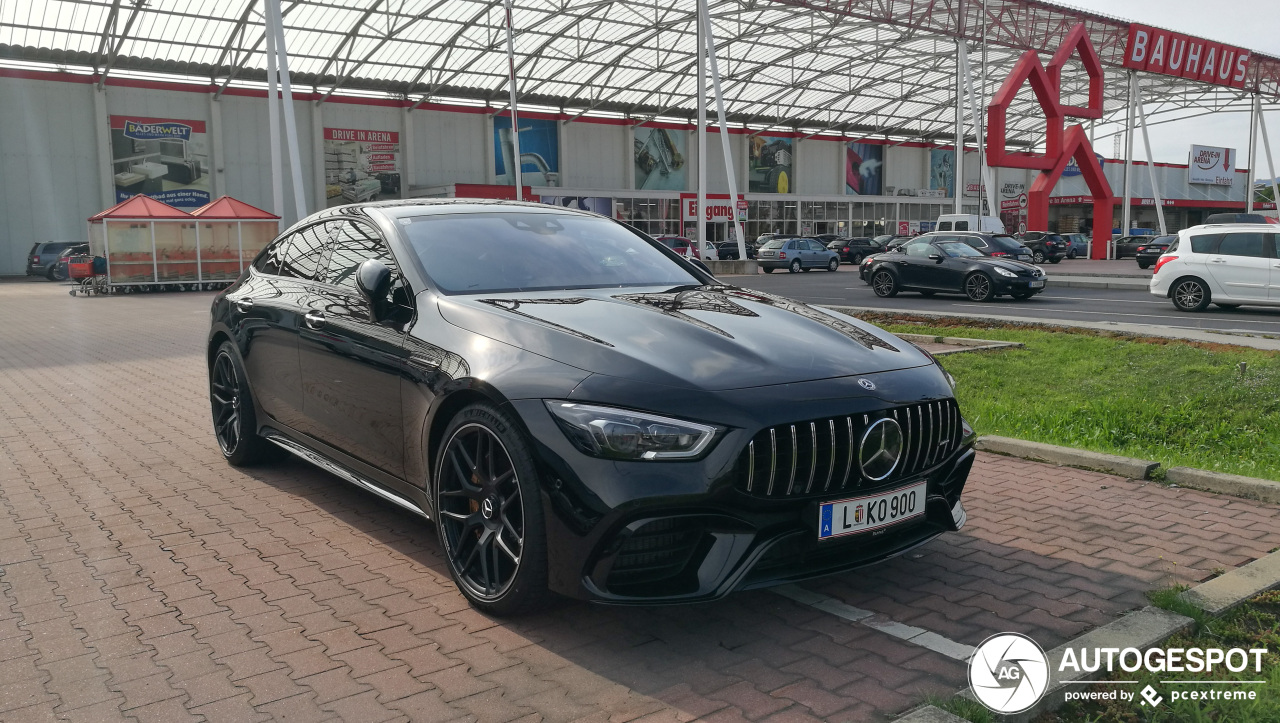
(1045,246)
(59,271)
(765,238)
(1228,265)
(997,245)
(682,246)
(970,222)
(1149,252)
(1128,245)
(1077,245)
(853,250)
(797,254)
(44,256)
(938,264)
(577,409)
(728,250)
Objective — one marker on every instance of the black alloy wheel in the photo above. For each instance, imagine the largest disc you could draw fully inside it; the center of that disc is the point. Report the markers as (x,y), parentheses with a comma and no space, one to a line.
(978,287)
(833,265)
(234,420)
(795,266)
(885,284)
(488,513)
(1190,295)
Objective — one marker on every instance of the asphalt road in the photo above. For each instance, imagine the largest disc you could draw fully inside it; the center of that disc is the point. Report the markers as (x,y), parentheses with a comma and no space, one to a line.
(1061,304)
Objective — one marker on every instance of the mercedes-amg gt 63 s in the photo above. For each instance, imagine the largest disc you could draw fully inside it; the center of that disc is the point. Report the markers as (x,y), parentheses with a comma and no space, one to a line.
(578,409)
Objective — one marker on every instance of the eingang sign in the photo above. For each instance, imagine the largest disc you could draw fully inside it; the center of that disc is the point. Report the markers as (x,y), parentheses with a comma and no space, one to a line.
(1211,165)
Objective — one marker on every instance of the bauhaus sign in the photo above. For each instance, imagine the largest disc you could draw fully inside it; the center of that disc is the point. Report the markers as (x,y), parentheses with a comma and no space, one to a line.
(1168,53)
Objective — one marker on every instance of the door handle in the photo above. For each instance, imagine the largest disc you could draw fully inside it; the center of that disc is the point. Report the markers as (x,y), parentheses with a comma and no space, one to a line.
(243,304)
(1217,261)
(314,319)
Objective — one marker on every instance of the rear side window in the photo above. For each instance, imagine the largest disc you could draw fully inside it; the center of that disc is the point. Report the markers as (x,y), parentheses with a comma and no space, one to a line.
(1243,244)
(302,257)
(974,241)
(1205,244)
(269,261)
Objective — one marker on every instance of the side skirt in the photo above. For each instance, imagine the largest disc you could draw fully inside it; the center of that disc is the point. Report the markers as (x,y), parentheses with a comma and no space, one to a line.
(341,472)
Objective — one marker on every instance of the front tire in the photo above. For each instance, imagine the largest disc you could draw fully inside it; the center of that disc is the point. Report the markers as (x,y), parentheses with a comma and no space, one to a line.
(885,284)
(235,423)
(794,267)
(489,513)
(833,265)
(1190,295)
(978,287)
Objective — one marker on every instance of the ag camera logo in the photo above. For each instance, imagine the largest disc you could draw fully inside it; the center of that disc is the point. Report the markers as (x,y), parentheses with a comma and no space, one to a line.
(1009,673)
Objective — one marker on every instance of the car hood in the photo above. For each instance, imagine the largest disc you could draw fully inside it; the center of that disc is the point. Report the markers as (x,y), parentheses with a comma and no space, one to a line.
(701,337)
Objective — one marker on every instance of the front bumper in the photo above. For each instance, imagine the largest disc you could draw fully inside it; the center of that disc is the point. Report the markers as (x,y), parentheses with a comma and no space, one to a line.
(650,533)
(1021,285)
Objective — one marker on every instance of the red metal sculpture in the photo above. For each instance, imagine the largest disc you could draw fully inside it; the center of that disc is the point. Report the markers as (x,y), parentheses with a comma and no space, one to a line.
(1061,144)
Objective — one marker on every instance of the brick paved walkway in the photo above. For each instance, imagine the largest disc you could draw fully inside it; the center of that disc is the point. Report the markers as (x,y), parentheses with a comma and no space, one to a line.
(141,577)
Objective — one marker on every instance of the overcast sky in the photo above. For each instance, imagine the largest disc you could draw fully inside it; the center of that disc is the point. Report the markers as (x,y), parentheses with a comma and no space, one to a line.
(1253,24)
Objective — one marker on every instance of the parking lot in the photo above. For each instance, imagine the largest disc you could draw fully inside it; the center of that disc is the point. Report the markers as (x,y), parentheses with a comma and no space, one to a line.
(144,578)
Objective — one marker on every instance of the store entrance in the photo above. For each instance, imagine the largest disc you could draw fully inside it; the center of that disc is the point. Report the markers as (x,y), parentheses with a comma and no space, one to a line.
(717,233)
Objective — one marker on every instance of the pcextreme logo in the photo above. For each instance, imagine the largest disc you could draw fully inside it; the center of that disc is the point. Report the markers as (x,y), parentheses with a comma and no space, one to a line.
(1009,673)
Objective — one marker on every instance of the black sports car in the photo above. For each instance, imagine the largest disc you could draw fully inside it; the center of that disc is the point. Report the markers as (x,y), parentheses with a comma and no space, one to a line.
(579,409)
(938,264)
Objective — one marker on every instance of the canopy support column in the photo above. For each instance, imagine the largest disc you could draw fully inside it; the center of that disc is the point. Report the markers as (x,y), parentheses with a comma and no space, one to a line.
(1128,161)
(709,35)
(1151,162)
(515,125)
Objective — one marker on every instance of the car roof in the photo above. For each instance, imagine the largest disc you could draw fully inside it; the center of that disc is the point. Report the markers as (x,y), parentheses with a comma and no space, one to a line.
(1269,227)
(401,208)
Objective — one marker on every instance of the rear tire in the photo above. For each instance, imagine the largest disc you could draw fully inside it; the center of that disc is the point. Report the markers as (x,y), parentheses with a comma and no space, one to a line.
(1037,256)
(1144,265)
(767,269)
(885,284)
(235,422)
(1056,261)
(978,287)
(1190,295)
(794,267)
(488,507)
(855,259)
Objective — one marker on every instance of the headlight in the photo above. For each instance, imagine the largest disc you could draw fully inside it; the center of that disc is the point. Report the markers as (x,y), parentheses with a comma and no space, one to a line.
(1005,272)
(623,434)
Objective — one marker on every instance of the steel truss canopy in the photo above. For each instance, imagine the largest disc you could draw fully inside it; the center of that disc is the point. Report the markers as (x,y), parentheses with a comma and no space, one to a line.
(861,68)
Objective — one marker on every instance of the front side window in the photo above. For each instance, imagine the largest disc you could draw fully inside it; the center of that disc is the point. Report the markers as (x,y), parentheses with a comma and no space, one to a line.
(473,253)
(353,244)
(919,249)
(1243,244)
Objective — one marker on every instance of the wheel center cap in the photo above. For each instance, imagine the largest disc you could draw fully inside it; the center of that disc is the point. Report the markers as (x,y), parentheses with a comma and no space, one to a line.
(486,508)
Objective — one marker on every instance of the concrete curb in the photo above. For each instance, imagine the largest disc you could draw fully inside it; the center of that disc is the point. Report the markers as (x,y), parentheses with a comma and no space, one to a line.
(1228,590)
(1109,463)
(970,344)
(1228,484)
(1084,282)
(1254,341)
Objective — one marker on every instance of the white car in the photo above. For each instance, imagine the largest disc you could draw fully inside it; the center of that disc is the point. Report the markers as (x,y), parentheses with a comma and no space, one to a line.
(1225,264)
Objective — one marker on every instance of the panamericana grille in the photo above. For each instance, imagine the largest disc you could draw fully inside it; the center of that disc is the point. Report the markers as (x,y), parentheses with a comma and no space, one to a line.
(820,456)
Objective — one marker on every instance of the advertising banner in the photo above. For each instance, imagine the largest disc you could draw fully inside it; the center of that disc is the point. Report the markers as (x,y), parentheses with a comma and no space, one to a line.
(163,158)
(539,151)
(864,169)
(660,159)
(1073,168)
(1168,53)
(360,165)
(942,171)
(602,205)
(769,163)
(1211,165)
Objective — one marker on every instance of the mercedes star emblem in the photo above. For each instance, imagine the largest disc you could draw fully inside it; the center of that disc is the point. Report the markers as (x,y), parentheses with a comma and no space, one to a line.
(867,384)
(486,509)
(881,449)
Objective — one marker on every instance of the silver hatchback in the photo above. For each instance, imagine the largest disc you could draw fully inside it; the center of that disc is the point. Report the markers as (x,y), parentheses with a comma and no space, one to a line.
(797,254)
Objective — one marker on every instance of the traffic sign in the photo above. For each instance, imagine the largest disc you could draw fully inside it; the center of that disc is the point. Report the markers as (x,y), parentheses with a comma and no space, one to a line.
(1022,200)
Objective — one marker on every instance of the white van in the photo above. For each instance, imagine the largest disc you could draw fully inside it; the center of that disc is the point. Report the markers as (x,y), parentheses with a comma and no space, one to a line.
(969,222)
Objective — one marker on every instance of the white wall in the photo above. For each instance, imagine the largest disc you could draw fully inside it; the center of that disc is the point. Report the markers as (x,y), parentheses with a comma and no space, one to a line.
(590,157)
(819,167)
(246,153)
(451,148)
(906,167)
(48,166)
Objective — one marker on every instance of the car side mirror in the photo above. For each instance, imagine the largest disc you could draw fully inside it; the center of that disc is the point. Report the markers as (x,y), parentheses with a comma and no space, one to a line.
(936,258)
(373,278)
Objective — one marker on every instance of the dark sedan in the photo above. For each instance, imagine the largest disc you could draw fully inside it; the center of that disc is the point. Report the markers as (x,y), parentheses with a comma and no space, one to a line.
(936,265)
(854,250)
(1128,245)
(1149,252)
(728,250)
(580,410)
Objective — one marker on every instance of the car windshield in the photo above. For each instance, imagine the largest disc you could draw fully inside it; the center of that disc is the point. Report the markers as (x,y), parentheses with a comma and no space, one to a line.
(956,249)
(473,253)
(1006,243)
(776,243)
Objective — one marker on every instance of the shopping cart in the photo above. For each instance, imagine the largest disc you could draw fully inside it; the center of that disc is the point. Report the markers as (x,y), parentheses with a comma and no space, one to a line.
(90,272)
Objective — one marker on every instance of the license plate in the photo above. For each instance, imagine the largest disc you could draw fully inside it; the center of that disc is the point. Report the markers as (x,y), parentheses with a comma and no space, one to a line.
(1024,258)
(864,514)
(767,253)
(1036,284)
